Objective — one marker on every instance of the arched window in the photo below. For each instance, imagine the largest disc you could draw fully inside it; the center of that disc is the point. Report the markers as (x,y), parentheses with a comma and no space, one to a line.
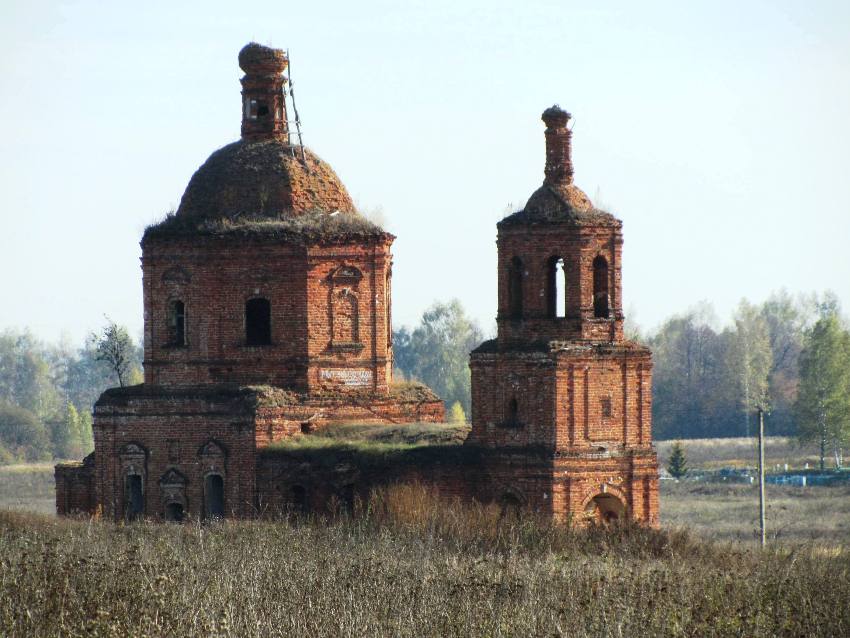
(176,323)
(556,288)
(515,275)
(214,496)
(258,323)
(600,288)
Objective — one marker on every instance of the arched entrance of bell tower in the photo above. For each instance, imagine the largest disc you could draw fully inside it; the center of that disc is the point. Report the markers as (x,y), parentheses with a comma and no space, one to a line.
(605,509)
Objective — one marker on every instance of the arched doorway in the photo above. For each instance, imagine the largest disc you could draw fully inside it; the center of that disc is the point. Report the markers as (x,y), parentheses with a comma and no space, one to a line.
(605,509)
(214,496)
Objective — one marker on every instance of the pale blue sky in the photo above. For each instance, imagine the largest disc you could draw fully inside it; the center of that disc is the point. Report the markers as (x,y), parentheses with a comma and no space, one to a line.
(718,131)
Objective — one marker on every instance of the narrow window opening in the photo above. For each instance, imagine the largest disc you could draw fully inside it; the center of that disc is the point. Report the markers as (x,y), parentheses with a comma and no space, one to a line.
(513,412)
(606,407)
(515,275)
(214,496)
(258,322)
(298,499)
(251,109)
(556,288)
(176,323)
(135,498)
(601,308)
(262,110)
(174,513)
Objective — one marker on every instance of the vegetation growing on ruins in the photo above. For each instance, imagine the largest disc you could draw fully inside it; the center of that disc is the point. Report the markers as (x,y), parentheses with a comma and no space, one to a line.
(303,228)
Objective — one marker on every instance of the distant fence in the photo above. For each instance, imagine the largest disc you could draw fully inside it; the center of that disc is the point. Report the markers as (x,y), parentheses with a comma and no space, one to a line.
(749,476)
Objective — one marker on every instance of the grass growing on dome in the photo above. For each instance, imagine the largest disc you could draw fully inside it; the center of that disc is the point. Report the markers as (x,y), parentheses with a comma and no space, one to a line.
(316,226)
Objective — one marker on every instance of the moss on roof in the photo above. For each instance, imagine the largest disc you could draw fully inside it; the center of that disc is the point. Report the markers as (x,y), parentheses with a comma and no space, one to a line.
(307,228)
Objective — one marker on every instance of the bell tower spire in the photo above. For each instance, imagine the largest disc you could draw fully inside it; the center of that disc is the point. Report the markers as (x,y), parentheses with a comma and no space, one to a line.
(263,101)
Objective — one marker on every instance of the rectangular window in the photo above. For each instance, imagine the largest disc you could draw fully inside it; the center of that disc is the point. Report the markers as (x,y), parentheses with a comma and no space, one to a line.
(606,407)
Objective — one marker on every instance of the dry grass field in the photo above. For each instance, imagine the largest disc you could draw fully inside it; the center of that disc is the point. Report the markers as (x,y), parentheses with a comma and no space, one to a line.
(410,564)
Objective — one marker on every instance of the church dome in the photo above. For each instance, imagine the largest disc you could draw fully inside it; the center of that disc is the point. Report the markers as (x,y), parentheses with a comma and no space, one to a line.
(263,178)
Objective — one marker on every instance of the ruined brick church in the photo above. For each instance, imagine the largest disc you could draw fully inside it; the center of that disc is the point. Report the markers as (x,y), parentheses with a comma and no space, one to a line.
(267,314)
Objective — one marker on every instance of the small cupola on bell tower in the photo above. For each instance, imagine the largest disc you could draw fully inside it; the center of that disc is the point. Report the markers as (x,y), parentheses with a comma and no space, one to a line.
(559,163)
(263,90)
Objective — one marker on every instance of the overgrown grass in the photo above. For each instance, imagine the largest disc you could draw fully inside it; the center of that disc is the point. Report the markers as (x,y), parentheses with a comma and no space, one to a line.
(409,565)
(380,446)
(28,486)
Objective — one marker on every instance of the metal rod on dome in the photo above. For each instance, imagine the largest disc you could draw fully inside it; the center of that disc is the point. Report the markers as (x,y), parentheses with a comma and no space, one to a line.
(295,110)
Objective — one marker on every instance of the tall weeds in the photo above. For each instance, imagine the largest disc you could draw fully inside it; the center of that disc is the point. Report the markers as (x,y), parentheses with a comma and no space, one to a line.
(407,563)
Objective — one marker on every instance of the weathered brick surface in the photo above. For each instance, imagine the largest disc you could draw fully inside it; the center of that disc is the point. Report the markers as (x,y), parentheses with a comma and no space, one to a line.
(261,219)
(173,428)
(75,487)
(561,405)
(321,318)
(564,380)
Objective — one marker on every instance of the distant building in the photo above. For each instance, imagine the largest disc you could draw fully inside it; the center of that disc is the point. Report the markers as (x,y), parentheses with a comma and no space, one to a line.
(267,317)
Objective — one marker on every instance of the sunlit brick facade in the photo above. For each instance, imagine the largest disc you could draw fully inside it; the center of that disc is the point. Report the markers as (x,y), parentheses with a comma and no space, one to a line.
(560,382)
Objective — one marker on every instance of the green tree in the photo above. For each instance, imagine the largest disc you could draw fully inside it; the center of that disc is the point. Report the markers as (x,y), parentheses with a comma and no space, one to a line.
(86,435)
(437,351)
(677,465)
(689,397)
(456,414)
(823,398)
(23,434)
(115,348)
(750,360)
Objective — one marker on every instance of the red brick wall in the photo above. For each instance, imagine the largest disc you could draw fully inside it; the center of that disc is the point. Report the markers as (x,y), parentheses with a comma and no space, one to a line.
(214,277)
(578,246)
(74,488)
(171,430)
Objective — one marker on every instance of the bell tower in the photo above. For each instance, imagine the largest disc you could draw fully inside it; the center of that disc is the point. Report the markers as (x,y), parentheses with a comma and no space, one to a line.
(263,87)
(560,387)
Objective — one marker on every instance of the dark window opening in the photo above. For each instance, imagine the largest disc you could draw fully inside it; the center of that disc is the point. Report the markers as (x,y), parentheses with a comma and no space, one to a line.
(305,428)
(176,323)
(174,513)
(606,407)
(135,498)
(346,499)
(258,329)
(298,499)
(512,419)
(556,288)
(601,308)
(515,275)
(262,110)
(214,496)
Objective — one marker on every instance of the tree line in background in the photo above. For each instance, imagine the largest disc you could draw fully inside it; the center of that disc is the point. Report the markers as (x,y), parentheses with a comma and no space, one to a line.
(789,356)
(47,391)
